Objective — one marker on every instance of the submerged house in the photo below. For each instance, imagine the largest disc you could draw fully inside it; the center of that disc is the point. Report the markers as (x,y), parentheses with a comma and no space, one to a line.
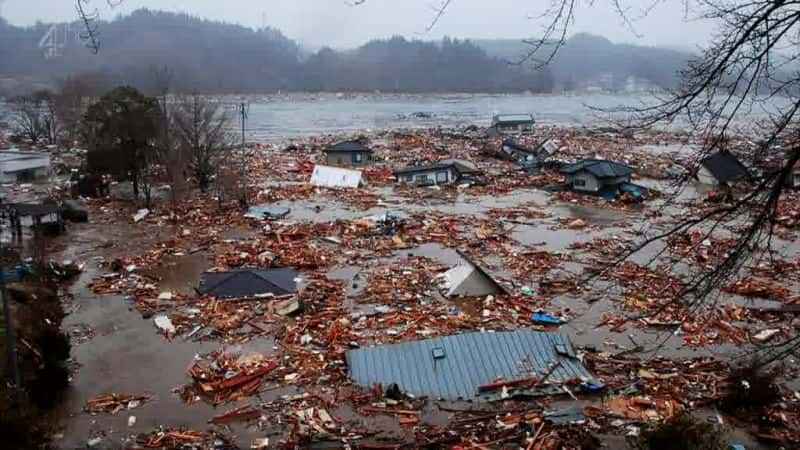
(348,153)
(722,168)
(475,366)
(597,176)
(512,124)
(446,171)
(242,284)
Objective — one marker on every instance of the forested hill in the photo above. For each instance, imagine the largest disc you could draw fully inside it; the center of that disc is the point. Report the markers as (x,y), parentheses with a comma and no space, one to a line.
(585,58)
(217,57)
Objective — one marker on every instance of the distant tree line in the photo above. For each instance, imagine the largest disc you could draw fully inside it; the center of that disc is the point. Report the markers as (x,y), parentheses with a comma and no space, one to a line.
(214,57)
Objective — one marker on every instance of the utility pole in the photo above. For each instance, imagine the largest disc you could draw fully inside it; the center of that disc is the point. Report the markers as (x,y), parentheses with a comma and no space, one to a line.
(11,340)
(243,110)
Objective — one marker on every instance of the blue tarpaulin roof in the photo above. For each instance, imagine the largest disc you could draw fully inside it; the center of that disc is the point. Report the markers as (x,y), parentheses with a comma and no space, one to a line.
(470,360)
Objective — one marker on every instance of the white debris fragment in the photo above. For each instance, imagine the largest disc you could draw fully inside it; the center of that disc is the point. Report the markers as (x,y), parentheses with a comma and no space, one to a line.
(140,215)
(164,324)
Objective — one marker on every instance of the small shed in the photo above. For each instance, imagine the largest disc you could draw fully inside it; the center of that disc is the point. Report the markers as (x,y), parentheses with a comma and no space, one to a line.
(474,366)
(596,175)
(348,153)
(512,123)
(335,177)
(721,168)
(243,284)
(446,171)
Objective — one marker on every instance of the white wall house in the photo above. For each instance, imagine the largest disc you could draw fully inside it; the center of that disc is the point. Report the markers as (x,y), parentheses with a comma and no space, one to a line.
(594,175)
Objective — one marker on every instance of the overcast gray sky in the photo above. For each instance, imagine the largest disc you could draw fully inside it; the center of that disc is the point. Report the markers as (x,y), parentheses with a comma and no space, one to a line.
(335,23)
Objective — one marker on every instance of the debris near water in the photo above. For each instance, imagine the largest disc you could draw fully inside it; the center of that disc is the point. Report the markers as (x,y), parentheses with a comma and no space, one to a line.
(114,403)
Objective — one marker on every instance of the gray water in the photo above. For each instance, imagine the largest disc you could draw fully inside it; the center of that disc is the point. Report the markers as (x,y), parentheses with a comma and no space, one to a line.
(287,117)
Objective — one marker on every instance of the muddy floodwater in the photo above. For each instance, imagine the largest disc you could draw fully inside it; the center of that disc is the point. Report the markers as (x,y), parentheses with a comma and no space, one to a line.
(374,266)
(127,355)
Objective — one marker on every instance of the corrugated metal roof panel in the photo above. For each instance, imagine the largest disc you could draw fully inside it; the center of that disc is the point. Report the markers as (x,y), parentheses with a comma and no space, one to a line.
(471,360)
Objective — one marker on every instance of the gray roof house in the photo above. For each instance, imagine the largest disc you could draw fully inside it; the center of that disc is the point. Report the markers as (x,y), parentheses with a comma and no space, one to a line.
(348,153)
(512,124)
(721,168)
(249,283)
(597,175)
(446,171)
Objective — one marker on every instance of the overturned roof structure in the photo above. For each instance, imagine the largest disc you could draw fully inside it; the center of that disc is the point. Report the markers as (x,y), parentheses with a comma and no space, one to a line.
(468,279)
(326,176)
(249,283)
(469,366)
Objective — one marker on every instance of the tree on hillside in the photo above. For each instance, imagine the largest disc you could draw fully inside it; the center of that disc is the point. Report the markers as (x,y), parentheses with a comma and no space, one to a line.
(201,129)
(121,129)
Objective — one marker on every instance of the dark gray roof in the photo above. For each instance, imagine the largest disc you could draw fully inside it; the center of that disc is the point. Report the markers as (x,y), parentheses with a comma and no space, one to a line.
(725,166)
(601,168)
(461,166)
(249,283)
(348,146)
(470,361)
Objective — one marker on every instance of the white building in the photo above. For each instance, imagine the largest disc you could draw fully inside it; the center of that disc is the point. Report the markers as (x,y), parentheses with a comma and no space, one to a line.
(23,165)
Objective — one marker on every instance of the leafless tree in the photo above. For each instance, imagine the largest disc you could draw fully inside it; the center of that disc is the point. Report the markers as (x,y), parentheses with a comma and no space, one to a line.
(69,104)
(32,118)
(202,133)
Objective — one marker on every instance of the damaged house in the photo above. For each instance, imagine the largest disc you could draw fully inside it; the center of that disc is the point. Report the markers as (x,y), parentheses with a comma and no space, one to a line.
(514,151)
(348,153)
(722,169)
(446,171)
(512,124)
(598,176)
